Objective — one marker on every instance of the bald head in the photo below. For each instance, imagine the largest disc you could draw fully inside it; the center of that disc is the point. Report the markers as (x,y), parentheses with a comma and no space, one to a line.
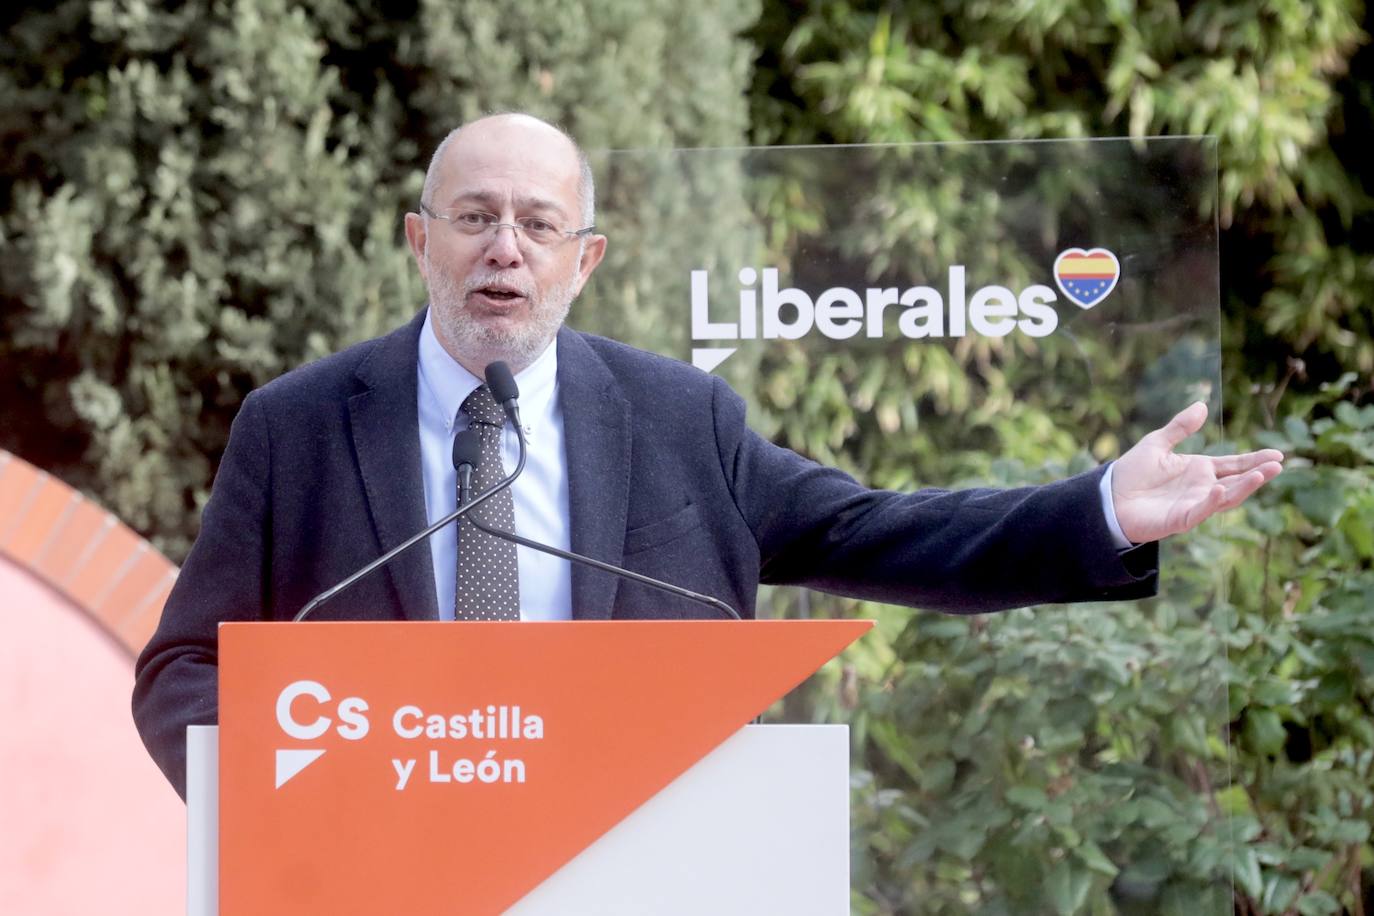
(521,135)
(498,290)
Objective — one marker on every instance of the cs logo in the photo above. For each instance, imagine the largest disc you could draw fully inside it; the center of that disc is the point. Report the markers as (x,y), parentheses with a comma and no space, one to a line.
(301,715)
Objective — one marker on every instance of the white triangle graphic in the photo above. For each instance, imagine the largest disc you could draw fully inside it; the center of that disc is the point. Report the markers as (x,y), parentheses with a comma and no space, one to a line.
(289,763)
(708,358)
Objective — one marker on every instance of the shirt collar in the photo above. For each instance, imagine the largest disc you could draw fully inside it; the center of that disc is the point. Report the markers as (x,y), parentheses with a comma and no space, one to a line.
(447,384)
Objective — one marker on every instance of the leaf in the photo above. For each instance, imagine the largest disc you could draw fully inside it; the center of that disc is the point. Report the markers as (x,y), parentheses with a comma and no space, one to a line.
(1279,892)
(1245,868)
(1297,433)
(1028,797)
(1092,856)
(1189,732)
(1318,903)
(1350,415)
(1322,502)
(1350,833)
(1067,887)
(1234,800)
(1335,688)
(1274,692)
(937,777)
(1264,731)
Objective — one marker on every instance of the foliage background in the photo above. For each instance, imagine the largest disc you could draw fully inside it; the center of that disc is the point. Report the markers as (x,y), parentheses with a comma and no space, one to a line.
(197,196)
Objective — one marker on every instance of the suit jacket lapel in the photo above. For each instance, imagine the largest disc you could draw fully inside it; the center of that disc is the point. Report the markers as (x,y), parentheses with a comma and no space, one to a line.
(596,429)
(386,436)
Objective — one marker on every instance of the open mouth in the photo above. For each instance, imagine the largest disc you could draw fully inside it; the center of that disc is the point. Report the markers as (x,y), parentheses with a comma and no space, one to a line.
(499,293)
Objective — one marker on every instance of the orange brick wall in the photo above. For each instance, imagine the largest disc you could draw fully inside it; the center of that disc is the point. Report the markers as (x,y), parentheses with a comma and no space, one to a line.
(82,551)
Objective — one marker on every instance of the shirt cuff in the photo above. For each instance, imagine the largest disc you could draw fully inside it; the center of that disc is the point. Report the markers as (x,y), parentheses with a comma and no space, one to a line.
(1104,488)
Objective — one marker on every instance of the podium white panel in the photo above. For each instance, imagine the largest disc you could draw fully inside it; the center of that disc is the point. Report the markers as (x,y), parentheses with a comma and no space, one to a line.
(202,820)
(759,825)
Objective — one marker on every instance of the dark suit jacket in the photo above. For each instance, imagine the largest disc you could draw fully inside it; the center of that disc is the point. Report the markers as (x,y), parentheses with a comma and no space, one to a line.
(322,474)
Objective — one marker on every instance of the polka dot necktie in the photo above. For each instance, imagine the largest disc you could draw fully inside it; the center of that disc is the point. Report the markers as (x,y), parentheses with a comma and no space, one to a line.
(488,586)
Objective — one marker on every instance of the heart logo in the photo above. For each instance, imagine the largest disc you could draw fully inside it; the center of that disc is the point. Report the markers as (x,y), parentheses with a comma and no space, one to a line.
(1086,277)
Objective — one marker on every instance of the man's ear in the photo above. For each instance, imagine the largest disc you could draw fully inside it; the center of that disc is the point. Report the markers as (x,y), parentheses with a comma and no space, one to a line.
(592,252)
(417,238)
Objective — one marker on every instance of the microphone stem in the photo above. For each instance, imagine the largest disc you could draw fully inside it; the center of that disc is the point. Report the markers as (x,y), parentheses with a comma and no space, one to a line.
(462,510)
(608,568)
(715,603)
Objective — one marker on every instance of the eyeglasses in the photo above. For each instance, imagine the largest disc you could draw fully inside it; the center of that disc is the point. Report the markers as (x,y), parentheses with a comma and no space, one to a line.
(535,228)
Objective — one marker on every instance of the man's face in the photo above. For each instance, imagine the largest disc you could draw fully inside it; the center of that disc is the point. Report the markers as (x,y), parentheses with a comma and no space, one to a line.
(498,295)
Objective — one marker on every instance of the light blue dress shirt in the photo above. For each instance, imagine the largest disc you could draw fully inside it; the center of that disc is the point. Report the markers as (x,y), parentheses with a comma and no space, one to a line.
(541,492)
(1104,487)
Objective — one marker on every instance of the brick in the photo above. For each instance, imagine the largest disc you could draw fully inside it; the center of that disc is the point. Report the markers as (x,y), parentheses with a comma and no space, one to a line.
(72,541)
(126,597)
(138,625)
(40,520)
(18,481)
(88,584)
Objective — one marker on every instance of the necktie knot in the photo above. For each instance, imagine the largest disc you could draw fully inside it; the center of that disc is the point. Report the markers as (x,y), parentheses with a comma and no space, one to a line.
(481,407)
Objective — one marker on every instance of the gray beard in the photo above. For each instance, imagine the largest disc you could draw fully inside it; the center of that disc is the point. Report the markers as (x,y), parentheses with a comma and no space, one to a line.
(519,347)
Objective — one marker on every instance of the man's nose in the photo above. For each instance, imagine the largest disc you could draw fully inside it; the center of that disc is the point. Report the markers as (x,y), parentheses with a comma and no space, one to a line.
(503,248)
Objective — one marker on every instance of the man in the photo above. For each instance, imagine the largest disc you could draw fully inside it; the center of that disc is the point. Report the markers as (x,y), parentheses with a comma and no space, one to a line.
(635,459)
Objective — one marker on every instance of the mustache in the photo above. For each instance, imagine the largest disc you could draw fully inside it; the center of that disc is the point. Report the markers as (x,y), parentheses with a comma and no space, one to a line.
(473,282)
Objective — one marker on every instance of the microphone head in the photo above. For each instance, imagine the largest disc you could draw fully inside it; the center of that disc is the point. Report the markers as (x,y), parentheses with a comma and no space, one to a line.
(501,383)
(467,448)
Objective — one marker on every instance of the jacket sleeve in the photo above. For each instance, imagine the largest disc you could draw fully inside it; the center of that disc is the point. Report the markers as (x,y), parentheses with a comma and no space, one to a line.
(176,676)
(966,551)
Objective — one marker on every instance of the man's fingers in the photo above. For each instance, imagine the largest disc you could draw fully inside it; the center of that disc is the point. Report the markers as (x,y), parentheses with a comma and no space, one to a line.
(1267,470)
(1224,494)
(1186,422)
(1239,487)
(1239,464)
(1214,502)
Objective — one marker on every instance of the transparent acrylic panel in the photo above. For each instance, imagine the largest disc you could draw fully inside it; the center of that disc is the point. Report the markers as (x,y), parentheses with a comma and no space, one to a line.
(959,315)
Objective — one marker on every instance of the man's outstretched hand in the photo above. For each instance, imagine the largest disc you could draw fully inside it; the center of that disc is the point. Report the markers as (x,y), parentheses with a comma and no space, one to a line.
(1157,493)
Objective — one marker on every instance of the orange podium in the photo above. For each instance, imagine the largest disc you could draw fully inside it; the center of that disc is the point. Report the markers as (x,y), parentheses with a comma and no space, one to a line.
(459,768)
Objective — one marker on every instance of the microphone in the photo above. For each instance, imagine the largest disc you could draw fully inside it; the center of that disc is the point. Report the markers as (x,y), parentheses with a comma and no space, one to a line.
(469,452)
(498,375)
(501,384)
